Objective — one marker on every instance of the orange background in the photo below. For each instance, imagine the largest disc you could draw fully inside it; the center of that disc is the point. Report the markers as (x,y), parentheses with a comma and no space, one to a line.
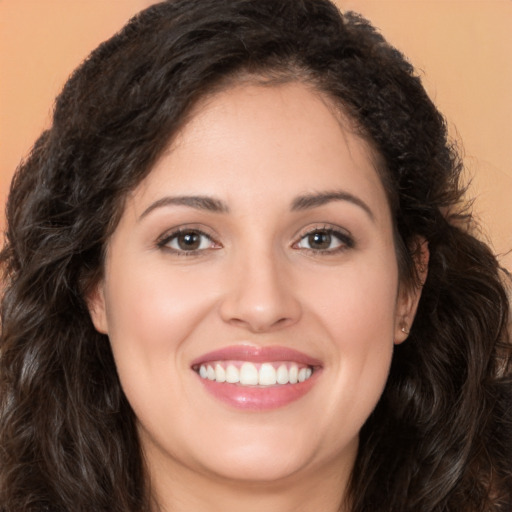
(463,49)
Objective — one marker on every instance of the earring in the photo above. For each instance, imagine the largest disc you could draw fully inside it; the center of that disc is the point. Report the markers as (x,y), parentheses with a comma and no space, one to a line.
(405,330)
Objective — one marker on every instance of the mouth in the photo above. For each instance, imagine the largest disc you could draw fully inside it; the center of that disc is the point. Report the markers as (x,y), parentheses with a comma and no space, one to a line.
(257,378)
(245,373)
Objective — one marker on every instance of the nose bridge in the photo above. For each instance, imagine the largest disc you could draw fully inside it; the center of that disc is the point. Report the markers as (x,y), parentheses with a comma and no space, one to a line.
(261,295)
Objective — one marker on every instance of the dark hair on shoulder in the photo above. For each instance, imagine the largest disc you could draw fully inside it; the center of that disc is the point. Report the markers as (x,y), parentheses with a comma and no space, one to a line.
(439,439)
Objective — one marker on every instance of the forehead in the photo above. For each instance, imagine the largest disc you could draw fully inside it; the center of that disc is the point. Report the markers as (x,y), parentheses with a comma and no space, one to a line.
(294,109)
(279,140)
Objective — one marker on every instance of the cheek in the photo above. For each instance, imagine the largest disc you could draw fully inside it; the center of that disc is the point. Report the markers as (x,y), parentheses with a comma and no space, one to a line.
(151,315)
(357,302)
(356,310)
(153,307)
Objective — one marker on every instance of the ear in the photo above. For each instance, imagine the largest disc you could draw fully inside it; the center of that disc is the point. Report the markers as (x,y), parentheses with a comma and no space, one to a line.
(409,295)
(97,307)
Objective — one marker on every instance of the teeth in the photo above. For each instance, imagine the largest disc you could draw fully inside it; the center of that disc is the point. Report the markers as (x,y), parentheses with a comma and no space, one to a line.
(282,375)
(220,373)
(232,374)
(267,375)
(293,375)
(248,374)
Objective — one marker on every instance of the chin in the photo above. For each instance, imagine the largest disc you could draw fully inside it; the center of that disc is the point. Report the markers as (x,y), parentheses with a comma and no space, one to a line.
(265,458)
(256,469)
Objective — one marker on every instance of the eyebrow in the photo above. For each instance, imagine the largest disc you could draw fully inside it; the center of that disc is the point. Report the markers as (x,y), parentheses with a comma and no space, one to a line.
(308,201)
(300,203)
(198,202)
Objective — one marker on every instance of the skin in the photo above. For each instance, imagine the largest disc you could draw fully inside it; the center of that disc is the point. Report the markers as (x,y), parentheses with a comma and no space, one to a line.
(255,280)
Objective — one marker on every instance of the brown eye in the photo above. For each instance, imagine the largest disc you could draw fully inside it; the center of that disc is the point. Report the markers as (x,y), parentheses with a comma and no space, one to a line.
(188,241)
(320,240)
(328,241)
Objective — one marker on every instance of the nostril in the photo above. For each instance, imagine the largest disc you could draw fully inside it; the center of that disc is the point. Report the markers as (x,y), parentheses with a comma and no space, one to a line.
(259,325)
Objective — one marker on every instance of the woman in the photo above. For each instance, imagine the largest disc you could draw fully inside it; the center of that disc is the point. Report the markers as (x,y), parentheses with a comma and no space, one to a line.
(239,274)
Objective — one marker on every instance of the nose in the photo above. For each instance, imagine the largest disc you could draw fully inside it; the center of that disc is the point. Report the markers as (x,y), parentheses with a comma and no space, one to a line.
(260,295)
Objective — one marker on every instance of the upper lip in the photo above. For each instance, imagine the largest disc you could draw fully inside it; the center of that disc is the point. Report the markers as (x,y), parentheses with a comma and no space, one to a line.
(257,355)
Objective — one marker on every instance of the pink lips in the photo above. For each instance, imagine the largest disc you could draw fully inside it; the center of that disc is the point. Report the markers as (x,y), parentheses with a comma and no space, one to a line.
(256,397)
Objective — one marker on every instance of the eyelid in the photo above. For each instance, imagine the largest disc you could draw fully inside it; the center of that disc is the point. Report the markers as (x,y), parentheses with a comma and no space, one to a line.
(164,239)
(344,236)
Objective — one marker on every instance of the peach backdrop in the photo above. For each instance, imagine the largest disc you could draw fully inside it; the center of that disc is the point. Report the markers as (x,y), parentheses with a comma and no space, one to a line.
(462,47)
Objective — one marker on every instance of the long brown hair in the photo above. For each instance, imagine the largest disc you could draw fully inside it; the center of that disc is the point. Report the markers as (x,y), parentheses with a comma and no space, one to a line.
(439,439)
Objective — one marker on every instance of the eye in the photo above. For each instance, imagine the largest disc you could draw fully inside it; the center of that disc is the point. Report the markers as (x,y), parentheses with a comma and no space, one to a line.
(325,240)
(188,241)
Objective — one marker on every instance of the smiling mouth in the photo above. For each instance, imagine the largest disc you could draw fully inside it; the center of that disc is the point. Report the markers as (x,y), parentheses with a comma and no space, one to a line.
(251,378)
(244,373)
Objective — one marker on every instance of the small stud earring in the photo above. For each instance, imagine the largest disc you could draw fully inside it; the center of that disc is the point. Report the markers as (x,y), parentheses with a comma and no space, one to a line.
(404,330)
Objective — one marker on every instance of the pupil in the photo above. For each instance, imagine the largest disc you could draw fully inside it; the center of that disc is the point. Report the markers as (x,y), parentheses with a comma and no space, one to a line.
(189,241)
(320,240)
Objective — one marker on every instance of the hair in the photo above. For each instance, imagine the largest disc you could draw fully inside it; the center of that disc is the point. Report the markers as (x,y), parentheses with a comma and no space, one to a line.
(439,439)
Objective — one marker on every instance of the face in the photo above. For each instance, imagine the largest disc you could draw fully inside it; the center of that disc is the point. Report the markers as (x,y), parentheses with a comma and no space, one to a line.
(251,292)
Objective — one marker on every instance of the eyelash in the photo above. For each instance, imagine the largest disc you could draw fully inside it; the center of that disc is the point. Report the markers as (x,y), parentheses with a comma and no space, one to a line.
(164,242)
(344,239)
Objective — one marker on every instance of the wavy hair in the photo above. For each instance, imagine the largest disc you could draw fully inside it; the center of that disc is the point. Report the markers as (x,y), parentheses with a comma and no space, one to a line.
(439,439)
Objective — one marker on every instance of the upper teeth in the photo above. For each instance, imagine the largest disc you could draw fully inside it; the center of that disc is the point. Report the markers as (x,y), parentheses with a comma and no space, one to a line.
(248,374)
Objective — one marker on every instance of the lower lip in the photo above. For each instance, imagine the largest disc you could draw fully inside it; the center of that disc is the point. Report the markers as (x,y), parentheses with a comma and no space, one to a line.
(258,398)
